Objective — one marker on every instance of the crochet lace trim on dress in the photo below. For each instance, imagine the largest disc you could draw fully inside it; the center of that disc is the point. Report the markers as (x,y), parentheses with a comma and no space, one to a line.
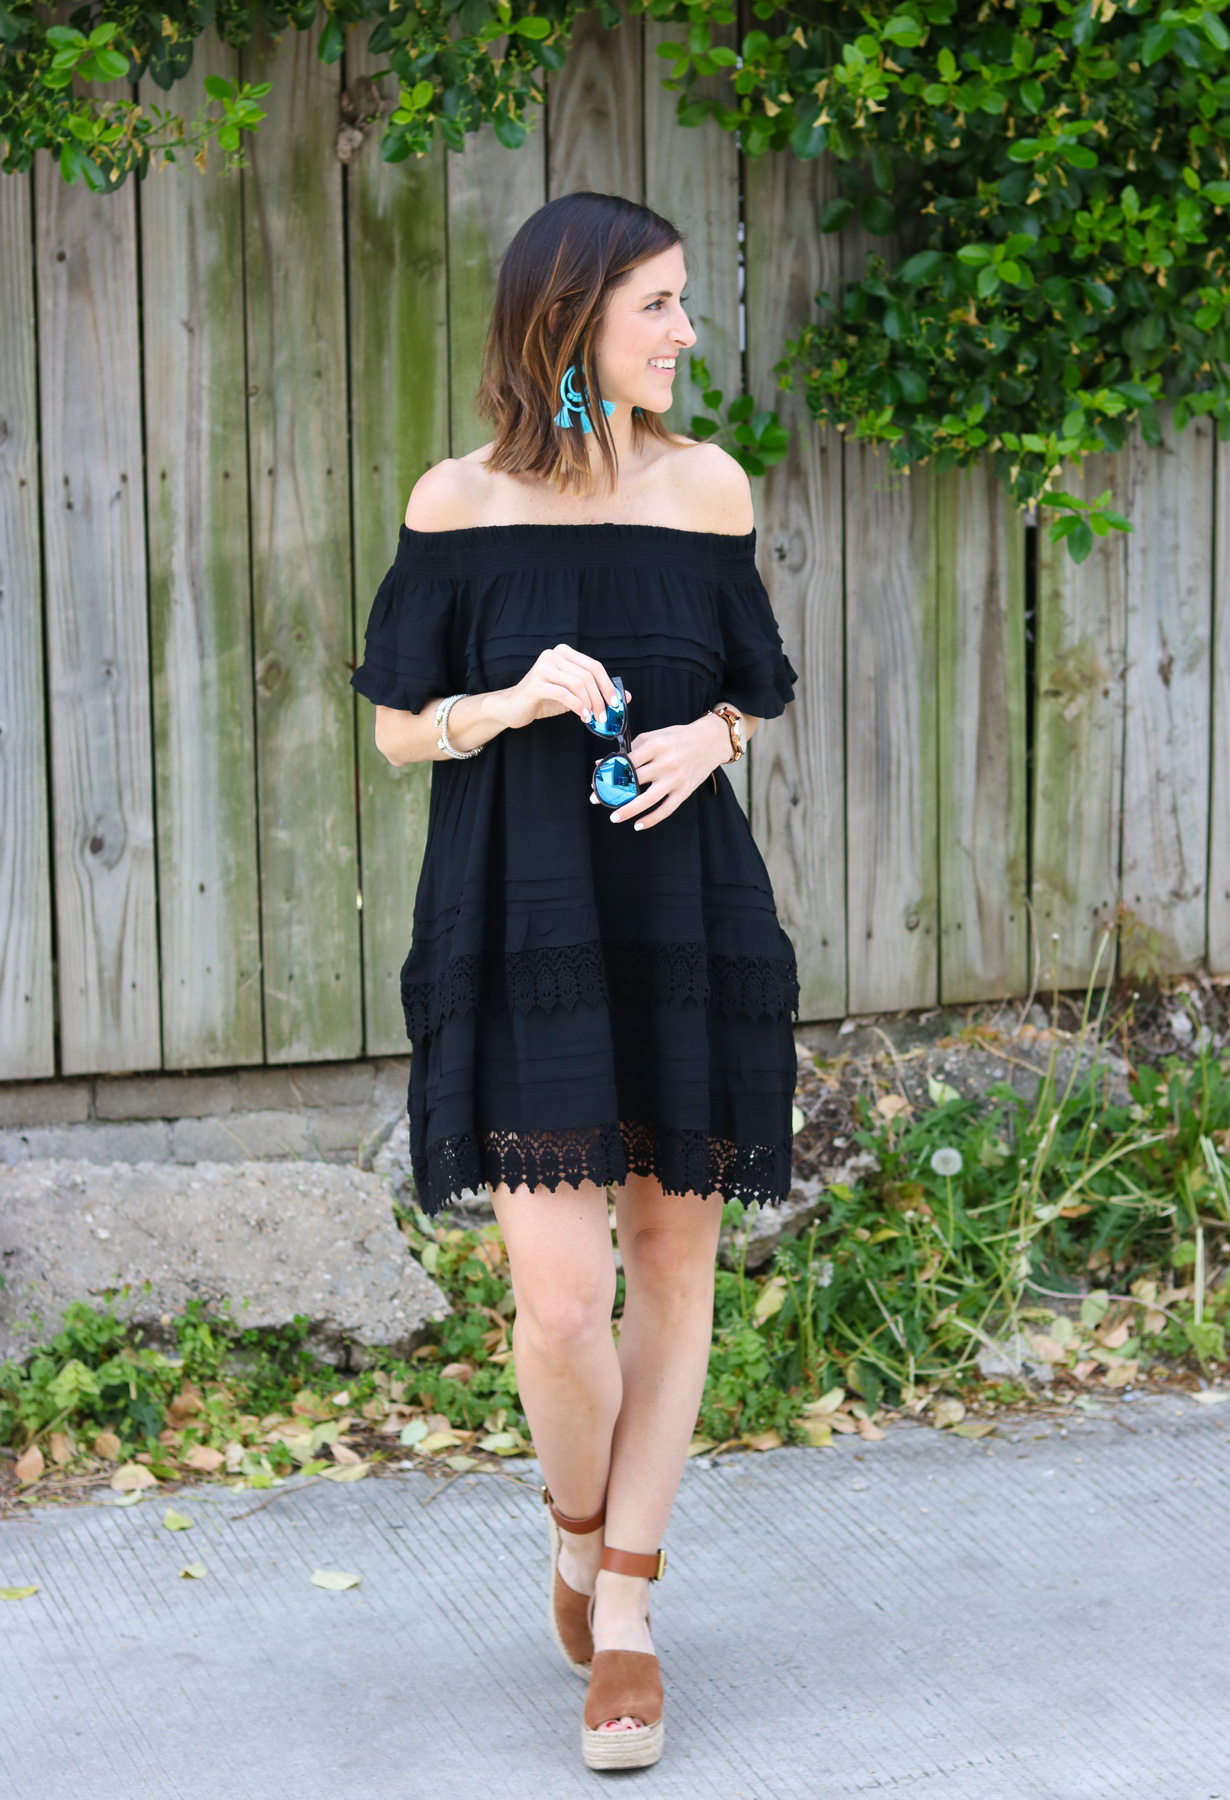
(684,1162)
(569,975)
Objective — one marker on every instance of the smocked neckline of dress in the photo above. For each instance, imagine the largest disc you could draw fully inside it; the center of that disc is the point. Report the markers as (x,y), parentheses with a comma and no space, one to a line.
(489,549)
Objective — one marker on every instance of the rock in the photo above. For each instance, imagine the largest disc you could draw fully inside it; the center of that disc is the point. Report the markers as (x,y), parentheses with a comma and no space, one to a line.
(275,1239)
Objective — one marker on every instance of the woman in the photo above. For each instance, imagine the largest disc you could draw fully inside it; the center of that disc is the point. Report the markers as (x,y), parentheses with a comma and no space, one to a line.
(599,992)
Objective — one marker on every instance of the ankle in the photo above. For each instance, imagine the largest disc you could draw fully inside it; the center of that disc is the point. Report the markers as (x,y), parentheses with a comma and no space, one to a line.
(621,1596)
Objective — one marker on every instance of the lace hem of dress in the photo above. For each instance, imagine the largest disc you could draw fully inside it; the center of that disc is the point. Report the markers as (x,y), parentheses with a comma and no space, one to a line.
(573,975)
(685,1162)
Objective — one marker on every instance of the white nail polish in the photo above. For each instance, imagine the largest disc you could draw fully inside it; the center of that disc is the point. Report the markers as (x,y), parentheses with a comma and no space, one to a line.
(637,826)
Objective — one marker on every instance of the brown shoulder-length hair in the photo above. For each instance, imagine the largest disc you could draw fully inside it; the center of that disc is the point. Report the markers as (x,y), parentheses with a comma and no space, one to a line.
(553,287)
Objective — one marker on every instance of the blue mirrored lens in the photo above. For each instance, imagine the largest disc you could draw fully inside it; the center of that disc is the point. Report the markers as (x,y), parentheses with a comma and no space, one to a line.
(610,723)
(615,781)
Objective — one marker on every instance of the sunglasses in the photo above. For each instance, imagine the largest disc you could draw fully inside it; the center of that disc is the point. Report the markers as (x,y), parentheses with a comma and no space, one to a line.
(614,780)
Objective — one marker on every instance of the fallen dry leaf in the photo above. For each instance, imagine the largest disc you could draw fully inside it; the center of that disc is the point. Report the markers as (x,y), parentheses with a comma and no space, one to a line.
(1045,1348)
(335,1580)
(764,1440)
(438,1440)
(18,1593)
(870,1434)
(350,1472)
(974,1428)
(176,1521)
(827,1403)
(234,1457)
(1083,1370)
(130,1477)
(817,1431)
(185,1403)
(1116,1338)
(347,1458)
(462,1464)
(1211,1396)
(697,1447)
(205,1458)
(62,1448)
(891,1106)
(1121,1376)
(30,1464)
(948,1411)
(458,1371)
(107,1446)
(842,1422)
(193,1571)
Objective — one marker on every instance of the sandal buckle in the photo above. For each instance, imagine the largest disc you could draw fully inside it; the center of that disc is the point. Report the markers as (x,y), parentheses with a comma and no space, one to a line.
(661,1568)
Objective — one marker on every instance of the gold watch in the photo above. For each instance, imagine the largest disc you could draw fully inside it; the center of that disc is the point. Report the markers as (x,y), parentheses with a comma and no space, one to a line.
(734,724)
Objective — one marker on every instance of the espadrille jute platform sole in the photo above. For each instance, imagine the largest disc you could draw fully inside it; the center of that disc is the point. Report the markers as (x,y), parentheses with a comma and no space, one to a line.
(624,1684)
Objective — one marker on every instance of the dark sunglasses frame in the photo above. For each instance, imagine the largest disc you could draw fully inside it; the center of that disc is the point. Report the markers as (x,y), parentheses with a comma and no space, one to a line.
(622,752)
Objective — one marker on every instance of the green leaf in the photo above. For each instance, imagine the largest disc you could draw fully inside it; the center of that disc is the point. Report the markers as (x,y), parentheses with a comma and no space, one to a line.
(532,26)
(510,132)
(1073,423)
(701,427)
(176,1521)
(332,40)
(1032,97)
(836,215)
(741,409)
(877,216)
(973,254)
(218,88)
(921,267)
(1080,541)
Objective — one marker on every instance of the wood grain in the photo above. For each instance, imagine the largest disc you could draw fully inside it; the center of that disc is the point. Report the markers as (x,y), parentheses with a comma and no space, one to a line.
(1078,738)
(302,600)
(200,601)
(491,193)
(27,1019)
(980,600)
(594,112)
(97,641)
(798,762)
(1169,646)
(400,427)
(892,873)
(1219,786)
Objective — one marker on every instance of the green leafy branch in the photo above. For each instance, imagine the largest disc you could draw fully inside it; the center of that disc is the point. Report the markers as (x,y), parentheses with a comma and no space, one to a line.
(755,439)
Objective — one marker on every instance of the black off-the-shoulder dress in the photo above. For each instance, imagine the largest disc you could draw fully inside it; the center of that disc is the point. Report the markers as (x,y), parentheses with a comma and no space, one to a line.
(584,1000)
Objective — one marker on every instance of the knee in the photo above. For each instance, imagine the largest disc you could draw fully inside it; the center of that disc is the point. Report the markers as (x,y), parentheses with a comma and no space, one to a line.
(674,1273)
(561,1321)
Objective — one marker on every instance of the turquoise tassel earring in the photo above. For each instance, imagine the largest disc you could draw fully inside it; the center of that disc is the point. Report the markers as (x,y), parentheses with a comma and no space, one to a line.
(575,403)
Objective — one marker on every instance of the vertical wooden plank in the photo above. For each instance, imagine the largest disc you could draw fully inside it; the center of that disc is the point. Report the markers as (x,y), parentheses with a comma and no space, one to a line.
(98,648)
(27,1025)
(302,606)
(980,599)
(798,763)
(692,179)
(1169,643)
(1219,799)
(892,876)
(400,427)
(1078,738)
(491,193)
(200,604)
(595,112)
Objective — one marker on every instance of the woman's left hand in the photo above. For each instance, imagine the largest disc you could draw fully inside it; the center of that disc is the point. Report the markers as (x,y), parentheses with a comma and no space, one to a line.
(671,764)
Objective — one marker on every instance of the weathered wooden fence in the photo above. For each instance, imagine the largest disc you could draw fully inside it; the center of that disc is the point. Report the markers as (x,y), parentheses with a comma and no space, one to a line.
(216,394)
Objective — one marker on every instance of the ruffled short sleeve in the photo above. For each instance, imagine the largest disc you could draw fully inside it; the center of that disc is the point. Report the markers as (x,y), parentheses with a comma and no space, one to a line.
(758,677)
(410,648)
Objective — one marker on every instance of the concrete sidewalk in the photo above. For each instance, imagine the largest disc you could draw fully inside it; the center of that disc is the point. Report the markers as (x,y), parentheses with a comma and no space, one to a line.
(1041,1615)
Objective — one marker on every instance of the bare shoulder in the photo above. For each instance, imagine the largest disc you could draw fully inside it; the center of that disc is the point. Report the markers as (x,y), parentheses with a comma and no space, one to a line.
(714,493)
(452,496)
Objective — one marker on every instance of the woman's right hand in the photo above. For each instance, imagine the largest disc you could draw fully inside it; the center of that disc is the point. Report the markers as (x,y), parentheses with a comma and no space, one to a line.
(561,680)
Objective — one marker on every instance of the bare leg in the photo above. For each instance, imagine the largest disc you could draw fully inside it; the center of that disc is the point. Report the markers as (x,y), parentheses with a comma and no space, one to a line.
(669,1246)
(568,1374)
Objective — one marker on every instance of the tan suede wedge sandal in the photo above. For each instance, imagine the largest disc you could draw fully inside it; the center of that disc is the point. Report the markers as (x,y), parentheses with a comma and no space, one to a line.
(625,1684)
(568,1611)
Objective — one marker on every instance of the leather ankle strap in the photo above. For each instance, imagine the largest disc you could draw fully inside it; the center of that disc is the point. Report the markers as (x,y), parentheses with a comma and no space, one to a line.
(633,1562)
(578,1527)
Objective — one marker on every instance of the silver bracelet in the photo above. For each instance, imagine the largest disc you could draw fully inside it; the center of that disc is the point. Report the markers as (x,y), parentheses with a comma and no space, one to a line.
(442,743)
